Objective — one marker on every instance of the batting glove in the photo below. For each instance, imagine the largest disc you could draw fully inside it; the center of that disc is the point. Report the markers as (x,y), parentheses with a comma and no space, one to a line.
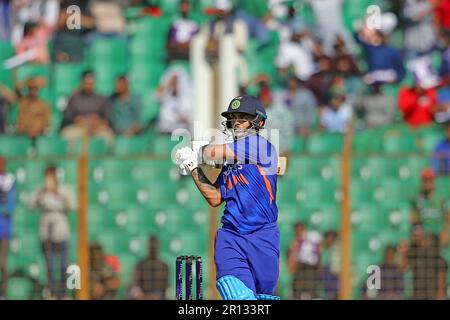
(186,160)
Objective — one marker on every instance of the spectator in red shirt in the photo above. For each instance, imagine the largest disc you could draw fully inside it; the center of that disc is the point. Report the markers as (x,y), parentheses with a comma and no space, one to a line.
(442,13)
(418,103)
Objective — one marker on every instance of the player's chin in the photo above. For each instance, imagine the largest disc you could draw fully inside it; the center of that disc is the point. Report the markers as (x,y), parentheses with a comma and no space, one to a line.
(238,134)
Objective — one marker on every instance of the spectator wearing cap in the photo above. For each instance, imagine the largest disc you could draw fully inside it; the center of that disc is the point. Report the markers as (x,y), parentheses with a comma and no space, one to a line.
(441,154)
(35,115)
(126,109)
(429,210)
(7,207)
(87,113)
(181,33)
(384,62)
(336,116)
(54,200)
(418,103)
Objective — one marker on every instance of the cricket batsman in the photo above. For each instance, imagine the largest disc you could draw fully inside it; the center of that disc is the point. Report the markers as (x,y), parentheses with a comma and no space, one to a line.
(247,246)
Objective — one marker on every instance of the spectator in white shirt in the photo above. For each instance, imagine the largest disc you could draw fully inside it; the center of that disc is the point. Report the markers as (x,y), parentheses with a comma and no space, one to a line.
(175,97)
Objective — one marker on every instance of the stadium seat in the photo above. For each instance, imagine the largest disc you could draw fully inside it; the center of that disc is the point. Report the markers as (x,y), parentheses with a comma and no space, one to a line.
(131,145)
(137,220)
(145,76)
(106,73)
(151,109)
(298,145)
(399,141)
(20,288)
(325,167)
(164,145)
(14,146)
(67,78)
(368,218)
(361,192)
(28,70)
(325,217)
(325,143)
(313,192)
(393,191)
(97,147)
(112,244)
(52,146)
(429,140)
(109,50)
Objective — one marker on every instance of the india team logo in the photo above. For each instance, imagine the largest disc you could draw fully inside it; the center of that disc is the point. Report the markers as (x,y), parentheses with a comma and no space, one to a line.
(235,104)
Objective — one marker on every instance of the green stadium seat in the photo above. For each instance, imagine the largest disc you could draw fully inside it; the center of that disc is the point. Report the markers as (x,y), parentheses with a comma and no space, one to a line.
(399,141)
(397,217)
(20,288)
(106,73)
(14,146)
(6,52)
(145,76)
(313,192)
(67,77)
(326,217)
(97,147)
(368,218)
(110,170)
(326,168)
(443,187)
(112,244)
(366,242)
(52,146)
(298,145)
(109,49)
(116,195)
(151,109)
(131,145)
(155,170)
(429,140)
(137,220)
(366,142)
(164,145)
(28,70)
(391,236)
(361,192)
(393,191)
(325,143)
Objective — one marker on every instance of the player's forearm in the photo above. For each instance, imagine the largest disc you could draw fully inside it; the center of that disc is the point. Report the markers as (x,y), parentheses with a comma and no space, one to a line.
(206,188)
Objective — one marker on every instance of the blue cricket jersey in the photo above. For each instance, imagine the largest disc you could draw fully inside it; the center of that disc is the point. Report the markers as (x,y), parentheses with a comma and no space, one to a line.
(249,185)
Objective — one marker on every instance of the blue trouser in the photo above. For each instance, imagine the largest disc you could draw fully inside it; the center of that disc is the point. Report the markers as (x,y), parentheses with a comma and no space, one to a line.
(252,258)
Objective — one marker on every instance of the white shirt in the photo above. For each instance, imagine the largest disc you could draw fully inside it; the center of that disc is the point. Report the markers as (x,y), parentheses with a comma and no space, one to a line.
(291,53)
